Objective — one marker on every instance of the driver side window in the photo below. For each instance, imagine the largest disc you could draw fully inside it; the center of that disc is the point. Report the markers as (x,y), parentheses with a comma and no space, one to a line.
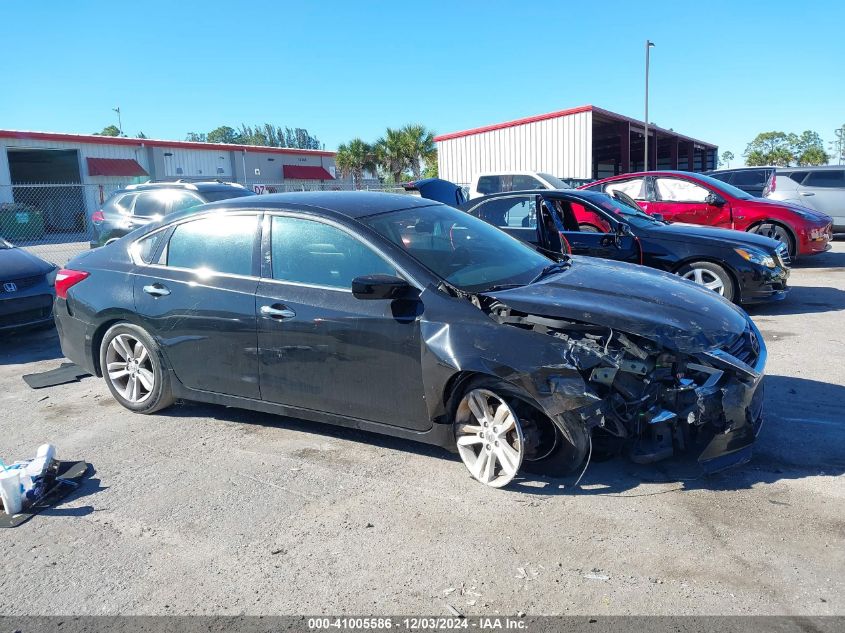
(677,190)
(310,252)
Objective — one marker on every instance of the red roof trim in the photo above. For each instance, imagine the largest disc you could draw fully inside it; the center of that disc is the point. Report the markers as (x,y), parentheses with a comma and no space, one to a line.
(306,172)
(146,142)
(115,167)
(515,122)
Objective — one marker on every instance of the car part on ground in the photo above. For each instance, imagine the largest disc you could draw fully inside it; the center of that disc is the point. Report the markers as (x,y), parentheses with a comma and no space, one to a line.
(26,288)
(591,223)
(446,311)
(680,196)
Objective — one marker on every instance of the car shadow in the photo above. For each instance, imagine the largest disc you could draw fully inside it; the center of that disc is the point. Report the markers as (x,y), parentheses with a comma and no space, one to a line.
(831,259)
(28,346)
(795,442)
(802,300)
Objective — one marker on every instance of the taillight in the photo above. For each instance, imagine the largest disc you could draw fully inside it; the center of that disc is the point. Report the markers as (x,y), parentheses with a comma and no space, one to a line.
(66,278)
(98,217)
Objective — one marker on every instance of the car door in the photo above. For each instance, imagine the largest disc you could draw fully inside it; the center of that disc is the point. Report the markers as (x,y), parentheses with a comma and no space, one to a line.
(598,243)
(197,298)
(824,189)
(515,215)
(322,349)
(682,200)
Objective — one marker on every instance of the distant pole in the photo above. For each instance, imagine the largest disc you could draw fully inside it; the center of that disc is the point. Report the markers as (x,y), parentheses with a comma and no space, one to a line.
(120,123)
(648,45)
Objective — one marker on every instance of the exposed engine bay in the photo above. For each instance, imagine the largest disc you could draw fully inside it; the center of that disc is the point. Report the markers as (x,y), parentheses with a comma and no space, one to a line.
(655,402)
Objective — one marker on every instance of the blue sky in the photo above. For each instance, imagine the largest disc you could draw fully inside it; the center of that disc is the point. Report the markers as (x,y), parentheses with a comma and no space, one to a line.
(721,71)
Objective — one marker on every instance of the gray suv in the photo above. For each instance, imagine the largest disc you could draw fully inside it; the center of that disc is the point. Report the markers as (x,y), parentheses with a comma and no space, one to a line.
(818,188)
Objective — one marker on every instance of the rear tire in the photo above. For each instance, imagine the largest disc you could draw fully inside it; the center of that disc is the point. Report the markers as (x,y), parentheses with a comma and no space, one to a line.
(133,368)
(709,275)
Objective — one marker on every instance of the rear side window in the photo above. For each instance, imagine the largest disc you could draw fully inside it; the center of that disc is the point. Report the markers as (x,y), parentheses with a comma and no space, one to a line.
(222,244)
(145,249)
(149,204)
(724,176)
(309,252)
(183,200)
(490,184)
(509,212)
(121,203)
(634,188)
(795,176)
(750,178)
(825,178)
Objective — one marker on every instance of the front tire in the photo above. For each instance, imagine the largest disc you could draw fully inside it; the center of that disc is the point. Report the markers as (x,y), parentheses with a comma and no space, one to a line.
(777,232)
(133,369)
(711,276)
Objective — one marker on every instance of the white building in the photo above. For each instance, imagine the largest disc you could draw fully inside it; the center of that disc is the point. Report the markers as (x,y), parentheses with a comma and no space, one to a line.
(68,175)
(581,143)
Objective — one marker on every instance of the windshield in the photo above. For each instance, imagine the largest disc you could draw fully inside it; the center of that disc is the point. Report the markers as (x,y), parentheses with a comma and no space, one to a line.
(554,181)
(719,185)
(465,251)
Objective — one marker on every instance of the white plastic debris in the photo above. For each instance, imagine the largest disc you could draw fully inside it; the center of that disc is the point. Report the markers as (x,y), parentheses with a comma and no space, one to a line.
(10,491)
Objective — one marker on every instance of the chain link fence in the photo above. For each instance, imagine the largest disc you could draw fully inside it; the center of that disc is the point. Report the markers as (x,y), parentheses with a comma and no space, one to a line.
(54,221)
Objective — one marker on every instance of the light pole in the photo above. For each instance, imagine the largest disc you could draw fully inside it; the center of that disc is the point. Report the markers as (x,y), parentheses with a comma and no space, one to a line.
(648,45)
(120,123)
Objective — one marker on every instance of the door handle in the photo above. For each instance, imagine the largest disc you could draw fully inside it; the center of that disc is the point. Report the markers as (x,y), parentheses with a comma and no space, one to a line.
(277,311)
(806,193)
(156,290)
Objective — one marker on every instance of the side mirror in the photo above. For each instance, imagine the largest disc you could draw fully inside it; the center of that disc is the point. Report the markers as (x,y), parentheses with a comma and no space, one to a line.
(715,200)
(623,229)
(379,287)
(658,216)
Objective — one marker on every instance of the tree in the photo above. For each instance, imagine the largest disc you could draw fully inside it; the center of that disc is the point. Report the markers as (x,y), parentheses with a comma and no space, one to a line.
(430,170)
(420,147)
(141,135)
(837,146)
(354,158)
(769,148)
(196,137)
(224,134)
(725,160)
(392,153)
(808,149)
(109,130)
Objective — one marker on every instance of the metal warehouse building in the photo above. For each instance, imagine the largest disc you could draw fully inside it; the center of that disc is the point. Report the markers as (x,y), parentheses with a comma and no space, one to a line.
(66,176)
(582,143)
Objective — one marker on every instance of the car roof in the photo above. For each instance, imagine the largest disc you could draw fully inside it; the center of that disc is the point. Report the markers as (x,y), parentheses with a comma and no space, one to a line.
(578,193)
(352,204)
(201,185)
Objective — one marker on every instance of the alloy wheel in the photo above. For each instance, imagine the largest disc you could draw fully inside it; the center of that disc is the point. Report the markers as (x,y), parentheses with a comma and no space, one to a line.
(489,438)
(775,232)
(129,368)
(706,278)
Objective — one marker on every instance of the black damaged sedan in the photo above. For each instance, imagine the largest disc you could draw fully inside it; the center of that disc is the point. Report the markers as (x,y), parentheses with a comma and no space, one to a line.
(742,267)
(407,317)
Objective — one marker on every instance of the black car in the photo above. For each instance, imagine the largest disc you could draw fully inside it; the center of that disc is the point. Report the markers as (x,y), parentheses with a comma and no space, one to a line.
(137,205)
(758,181)
(26,288)
(742,267)
(395,314)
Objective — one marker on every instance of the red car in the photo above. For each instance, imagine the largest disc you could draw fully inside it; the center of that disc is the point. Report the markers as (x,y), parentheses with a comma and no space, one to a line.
(681,196)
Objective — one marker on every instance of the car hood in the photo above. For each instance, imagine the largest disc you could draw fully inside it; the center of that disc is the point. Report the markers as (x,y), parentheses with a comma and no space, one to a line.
(693,233)
(16,263)
(677,314)
(780,204)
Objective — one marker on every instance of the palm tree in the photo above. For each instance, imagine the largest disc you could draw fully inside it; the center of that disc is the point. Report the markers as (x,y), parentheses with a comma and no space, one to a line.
(354,158)
(392,153)
(420,147)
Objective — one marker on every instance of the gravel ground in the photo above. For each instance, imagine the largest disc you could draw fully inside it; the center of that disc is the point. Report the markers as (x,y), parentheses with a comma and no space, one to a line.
(209,510)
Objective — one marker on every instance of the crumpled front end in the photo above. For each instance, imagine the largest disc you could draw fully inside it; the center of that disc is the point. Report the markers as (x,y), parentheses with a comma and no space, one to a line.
(653,403)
